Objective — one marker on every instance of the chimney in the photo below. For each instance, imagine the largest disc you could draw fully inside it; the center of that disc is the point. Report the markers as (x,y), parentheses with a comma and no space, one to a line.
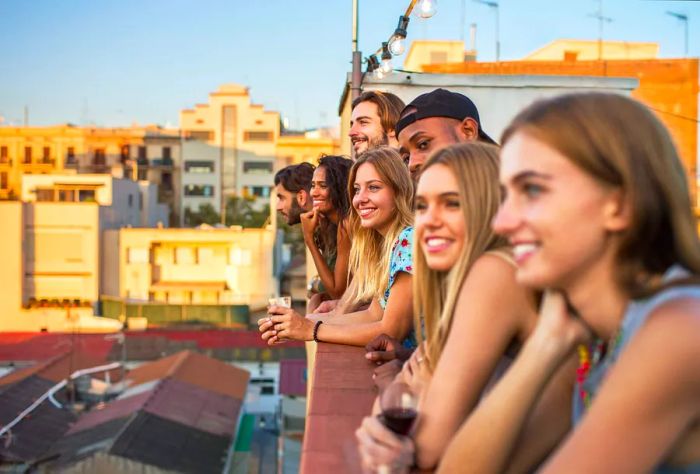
(472,37)
(470,54)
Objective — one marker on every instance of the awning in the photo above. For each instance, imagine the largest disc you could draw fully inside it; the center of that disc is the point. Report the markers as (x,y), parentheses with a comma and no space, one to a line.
(189,286)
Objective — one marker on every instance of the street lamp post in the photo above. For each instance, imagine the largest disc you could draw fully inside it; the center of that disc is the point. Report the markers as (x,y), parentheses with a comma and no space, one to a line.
(684,18)
(494,5)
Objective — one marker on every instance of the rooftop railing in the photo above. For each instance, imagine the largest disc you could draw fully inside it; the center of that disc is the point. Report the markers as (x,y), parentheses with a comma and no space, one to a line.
(342,394)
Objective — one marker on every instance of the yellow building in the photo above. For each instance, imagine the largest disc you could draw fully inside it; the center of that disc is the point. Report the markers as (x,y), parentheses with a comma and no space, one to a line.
(243,134)
(307,147)
(143,153)
(49,276)
(200,272)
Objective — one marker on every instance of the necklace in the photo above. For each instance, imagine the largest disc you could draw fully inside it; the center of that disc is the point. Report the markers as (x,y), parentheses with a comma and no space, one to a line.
(588,361)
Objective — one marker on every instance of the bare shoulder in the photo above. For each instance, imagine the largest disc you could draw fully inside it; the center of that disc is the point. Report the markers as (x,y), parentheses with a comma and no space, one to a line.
(673,328)
(666,349)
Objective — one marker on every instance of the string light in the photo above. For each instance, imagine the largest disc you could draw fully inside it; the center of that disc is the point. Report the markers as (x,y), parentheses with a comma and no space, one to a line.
(397,43)
(426,8)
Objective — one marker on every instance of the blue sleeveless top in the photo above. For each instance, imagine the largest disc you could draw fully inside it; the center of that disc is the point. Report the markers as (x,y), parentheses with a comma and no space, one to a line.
(635,316)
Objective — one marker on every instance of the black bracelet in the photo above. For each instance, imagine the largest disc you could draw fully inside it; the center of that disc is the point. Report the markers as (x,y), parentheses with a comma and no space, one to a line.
(318,323)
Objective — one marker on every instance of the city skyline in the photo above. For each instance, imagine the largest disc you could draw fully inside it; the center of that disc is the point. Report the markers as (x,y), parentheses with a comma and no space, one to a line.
(118,63)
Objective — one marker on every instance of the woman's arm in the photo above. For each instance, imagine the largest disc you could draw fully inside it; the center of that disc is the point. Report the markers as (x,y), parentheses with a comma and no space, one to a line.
(647,402)
(396,321)
(490,312)
(336,280)
(489,436)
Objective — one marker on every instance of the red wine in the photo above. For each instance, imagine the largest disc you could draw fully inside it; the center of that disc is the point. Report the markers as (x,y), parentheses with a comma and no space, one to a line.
(399,420)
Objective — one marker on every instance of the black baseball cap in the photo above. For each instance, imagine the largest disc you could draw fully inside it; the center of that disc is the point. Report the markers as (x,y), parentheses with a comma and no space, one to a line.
(440,103)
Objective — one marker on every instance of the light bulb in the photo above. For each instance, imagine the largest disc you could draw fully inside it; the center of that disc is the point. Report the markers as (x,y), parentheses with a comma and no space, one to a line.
(426,8)
(386,66)
(378,73)
(397,45)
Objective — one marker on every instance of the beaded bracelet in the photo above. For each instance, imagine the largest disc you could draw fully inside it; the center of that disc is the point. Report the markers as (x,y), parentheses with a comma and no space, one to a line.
(318,323)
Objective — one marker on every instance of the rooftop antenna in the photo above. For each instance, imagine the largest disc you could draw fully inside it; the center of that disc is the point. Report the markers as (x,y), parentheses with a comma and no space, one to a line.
(684,18)
(602,19)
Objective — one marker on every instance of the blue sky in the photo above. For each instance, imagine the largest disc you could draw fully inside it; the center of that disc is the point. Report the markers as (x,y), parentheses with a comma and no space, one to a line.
(113,62)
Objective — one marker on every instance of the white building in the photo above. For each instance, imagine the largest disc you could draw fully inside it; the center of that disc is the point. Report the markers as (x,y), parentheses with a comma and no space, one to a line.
(201,176)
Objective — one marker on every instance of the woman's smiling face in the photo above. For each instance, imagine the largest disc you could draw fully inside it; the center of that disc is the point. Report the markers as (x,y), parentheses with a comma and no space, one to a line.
(373,199)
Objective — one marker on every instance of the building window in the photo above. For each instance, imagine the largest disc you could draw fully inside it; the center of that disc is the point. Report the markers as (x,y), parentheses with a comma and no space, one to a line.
(166,181)
(202,135)
(100,159)
(46,155)
(199,190)
(3,154)
(167,154)
(199,167)
(143,156)
(70,155)
(27,154)
(137,255)
(44,194)
(131,200)
(124,153)
(258,136)
(86,195)
(3,180)
(142,174)
(257,167)
(257,191)
(66,195)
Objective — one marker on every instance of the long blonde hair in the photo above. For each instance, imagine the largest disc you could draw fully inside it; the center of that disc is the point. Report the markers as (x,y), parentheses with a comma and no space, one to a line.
(475,168)
(621,144)
(370,252)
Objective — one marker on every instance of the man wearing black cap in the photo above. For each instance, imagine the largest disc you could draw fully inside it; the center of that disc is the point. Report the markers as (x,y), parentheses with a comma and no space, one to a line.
(433,121)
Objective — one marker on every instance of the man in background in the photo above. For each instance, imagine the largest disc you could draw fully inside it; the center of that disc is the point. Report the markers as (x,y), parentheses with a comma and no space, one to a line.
(374,116)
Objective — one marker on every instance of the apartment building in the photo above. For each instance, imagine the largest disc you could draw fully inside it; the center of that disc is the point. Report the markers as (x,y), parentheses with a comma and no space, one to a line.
(49,276)
(139,153)
(244,135)
(197,271)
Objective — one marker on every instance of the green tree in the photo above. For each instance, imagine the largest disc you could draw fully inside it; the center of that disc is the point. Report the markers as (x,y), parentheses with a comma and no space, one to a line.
(243,212)
(205,215)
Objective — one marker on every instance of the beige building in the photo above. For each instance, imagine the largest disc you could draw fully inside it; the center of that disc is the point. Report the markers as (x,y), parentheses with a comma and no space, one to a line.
(49,277)
(433,51)
(307,147)
(244,135)
(591,50)
(200,267)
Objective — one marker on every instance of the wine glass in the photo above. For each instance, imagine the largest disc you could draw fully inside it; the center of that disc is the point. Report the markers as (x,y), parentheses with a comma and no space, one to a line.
(399,408)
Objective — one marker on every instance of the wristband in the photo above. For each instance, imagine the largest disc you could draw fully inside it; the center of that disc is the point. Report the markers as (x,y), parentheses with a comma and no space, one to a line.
(318,323)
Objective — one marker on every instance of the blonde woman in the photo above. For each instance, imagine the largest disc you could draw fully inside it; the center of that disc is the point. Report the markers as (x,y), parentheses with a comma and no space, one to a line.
(599,214)
(475,315)
(380,261)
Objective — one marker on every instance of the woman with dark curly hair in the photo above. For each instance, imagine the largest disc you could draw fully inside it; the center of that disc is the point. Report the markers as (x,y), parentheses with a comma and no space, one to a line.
(324,227)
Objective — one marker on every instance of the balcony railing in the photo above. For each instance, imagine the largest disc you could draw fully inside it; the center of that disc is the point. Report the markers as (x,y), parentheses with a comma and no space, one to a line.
(342,393)
(159,314)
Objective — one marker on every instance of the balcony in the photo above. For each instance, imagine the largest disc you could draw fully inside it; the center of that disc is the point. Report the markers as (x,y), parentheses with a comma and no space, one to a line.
(5,162)
(342,393)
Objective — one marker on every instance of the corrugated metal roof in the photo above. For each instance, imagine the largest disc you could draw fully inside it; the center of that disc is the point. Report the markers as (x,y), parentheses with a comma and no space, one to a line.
(293,377)
(30,438)
(110,411)
(196,407)
(153,440)
(195,369)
